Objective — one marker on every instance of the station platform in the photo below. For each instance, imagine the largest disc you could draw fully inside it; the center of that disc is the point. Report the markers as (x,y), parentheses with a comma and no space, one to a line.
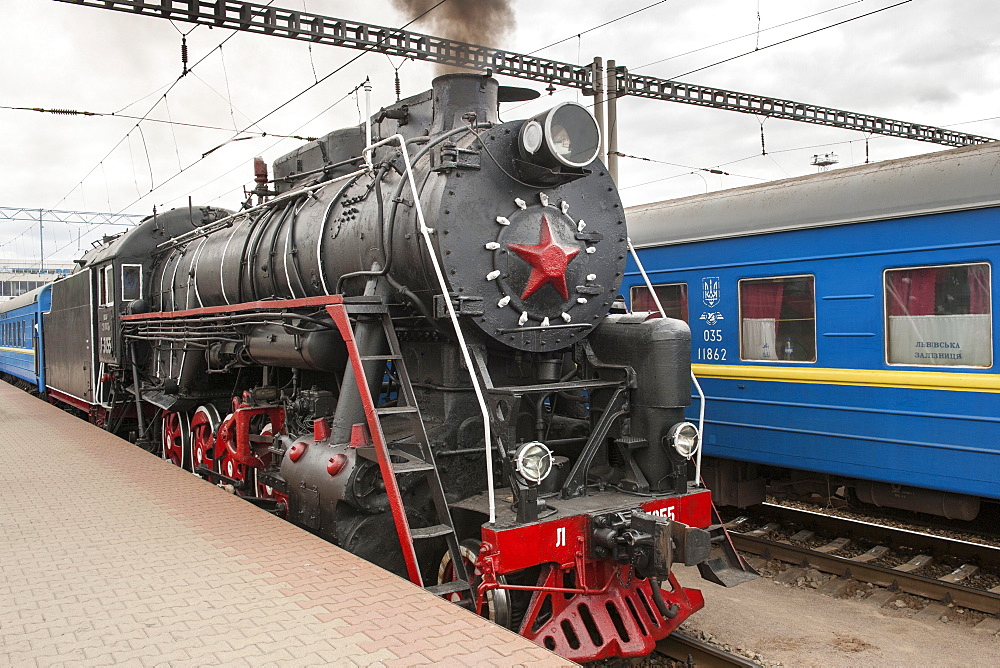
(112,556)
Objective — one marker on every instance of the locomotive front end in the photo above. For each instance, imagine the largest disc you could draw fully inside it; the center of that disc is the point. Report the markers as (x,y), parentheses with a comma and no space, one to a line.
(533,248)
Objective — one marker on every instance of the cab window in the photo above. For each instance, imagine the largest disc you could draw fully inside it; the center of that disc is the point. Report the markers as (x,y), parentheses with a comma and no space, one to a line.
(131,282)
(107,286)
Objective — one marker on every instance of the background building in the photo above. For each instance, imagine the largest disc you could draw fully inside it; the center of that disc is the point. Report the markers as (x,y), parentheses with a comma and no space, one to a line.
(19,276)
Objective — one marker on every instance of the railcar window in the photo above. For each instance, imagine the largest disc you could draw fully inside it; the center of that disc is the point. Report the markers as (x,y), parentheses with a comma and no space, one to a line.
(939,316)
(778,319)
(673,297)
(131,282)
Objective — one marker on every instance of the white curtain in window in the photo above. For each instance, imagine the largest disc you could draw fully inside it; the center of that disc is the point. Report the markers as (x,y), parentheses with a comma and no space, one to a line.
(941,340)
(759,339)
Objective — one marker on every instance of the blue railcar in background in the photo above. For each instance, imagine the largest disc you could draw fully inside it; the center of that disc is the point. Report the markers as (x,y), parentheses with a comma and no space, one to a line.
(22,357)
(842,329)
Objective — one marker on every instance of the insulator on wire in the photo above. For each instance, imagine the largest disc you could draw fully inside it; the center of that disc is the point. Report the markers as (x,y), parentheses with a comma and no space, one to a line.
(67,112)
(184,54)
(397,85)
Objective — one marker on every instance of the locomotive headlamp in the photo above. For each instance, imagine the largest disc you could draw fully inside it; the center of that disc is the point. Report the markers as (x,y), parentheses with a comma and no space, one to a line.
(566,135)
(532,136)
(684,438)
(533,461)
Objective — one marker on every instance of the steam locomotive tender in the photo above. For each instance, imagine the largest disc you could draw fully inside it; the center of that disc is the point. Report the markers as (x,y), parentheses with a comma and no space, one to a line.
(301,353)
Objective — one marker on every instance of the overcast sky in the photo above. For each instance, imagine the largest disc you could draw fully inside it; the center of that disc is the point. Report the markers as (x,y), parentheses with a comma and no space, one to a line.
(923,61)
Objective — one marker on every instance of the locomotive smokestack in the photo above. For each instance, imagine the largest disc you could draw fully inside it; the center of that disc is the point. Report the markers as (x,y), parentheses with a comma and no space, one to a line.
(483,22)
(456,95)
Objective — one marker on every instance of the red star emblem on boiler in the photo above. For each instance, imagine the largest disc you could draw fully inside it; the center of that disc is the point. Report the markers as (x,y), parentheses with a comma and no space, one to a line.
(548,262)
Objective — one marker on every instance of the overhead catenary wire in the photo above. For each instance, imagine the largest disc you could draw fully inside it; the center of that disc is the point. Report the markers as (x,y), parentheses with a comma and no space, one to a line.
(242,164)
(710,170)
(149,111)
(577,35)
(255,123)
(790,39)
(868,137)
(159,168)
(749,34)
(167,121)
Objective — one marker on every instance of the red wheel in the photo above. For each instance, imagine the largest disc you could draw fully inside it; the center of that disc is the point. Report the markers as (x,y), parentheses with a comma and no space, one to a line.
(176,439)
(204,426)
(497,606)
(226,451)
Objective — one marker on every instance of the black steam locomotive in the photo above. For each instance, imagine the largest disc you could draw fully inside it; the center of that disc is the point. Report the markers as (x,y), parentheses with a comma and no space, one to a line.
(405,347)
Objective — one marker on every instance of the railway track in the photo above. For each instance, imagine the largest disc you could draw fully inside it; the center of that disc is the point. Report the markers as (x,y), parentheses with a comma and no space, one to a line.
(941,569)
(700,654)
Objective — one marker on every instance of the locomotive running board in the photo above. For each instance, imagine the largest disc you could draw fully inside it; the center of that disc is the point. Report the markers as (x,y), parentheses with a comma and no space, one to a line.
(393,461)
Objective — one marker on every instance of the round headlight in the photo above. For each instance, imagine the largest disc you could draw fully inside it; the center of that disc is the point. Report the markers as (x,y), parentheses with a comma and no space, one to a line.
(572,134)
(684,438)
(531,137)
(533,461)
(564,136)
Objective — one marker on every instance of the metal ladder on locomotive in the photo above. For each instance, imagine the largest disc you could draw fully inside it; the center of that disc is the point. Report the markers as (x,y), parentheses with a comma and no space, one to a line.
(371,319)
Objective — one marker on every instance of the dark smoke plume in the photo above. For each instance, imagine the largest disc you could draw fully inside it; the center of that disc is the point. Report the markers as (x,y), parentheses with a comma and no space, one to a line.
(483,22)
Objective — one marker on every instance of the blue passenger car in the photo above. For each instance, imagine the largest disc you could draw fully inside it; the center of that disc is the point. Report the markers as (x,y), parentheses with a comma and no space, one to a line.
(842,328)
(21,353)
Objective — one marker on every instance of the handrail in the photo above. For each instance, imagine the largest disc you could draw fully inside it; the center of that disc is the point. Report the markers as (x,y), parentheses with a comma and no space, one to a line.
(694,379)
(426,234)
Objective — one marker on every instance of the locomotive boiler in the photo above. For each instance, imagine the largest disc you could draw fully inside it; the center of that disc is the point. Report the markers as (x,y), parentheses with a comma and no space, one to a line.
(404,346)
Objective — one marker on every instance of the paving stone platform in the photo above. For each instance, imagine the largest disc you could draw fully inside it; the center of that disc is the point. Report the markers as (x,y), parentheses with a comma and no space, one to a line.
(111,556)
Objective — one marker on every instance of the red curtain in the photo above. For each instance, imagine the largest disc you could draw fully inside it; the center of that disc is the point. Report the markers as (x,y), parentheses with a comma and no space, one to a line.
(911,292)
(675,303)
(761,300)
(642,300)
(979,289)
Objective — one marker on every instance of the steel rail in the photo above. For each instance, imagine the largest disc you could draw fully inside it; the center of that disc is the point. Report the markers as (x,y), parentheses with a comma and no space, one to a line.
(828,525)
(315,28)
(692,652)
(883,576)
